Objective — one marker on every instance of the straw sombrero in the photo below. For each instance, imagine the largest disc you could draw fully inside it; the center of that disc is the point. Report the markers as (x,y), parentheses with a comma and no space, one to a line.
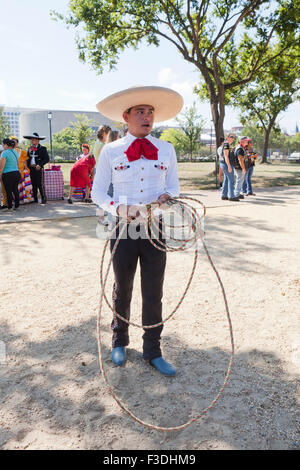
(33,136)
(166,102)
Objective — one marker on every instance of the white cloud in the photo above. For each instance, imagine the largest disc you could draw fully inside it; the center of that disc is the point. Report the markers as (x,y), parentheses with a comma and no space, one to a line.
(166,76)
(186,88)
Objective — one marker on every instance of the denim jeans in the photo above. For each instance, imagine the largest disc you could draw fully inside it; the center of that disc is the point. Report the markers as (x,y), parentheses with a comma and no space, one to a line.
(228,181)
(239,182)
(247,185)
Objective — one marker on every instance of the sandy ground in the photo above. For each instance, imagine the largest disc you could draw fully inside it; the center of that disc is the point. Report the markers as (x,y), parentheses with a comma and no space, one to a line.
(52,393)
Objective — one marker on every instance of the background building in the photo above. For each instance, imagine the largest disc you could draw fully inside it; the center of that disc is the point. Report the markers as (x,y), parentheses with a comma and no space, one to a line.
(37,121)
(13,116)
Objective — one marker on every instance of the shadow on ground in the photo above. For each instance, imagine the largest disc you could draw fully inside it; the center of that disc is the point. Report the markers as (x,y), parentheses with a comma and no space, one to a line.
(56,385)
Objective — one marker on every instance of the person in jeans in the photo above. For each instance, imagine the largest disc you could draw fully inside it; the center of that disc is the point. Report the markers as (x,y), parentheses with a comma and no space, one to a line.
(227,169)
(9,172)
(239,166)
(251,157)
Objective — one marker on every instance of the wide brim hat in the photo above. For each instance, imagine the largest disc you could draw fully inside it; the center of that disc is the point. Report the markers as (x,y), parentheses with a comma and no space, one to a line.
(34,136)
(167,103)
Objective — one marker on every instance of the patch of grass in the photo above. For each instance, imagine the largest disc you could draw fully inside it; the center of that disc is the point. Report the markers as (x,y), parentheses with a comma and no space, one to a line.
(199,175)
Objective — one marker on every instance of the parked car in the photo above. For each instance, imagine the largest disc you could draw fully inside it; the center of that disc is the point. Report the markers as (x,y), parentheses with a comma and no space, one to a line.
(294,156)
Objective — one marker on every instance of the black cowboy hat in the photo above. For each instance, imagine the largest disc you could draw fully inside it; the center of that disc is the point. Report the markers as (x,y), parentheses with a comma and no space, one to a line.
(33,136)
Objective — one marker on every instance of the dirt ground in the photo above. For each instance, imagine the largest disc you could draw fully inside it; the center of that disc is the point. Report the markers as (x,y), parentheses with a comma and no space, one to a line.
(52,393)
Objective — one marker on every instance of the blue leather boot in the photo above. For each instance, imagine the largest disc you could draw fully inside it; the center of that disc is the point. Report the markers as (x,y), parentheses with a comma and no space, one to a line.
(118,355)
(163,366)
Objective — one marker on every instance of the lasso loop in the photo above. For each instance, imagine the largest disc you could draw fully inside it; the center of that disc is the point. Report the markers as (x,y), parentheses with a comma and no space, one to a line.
(194,224)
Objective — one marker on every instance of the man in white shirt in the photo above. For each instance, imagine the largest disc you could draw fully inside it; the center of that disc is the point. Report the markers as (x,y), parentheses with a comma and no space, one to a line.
(142,169)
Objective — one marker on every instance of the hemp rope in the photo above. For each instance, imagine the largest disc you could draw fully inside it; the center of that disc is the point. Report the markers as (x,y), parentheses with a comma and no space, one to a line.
(194,223)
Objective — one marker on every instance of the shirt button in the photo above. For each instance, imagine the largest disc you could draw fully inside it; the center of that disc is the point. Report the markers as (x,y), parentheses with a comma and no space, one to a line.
(142,168)
(141,190)
(142,179)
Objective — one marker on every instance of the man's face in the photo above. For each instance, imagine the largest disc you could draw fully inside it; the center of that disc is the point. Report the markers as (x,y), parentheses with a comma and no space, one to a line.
(85,150)
(35,142)
(140,120)
(244,142)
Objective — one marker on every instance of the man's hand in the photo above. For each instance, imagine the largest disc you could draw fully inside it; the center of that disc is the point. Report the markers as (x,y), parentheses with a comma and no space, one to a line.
(244,171)
(131,212)
(229,169)
(163,198)
(37,167)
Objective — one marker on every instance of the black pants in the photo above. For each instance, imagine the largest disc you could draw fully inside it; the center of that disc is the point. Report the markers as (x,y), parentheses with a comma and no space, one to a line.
(11,181)
(152,263)
(37,181)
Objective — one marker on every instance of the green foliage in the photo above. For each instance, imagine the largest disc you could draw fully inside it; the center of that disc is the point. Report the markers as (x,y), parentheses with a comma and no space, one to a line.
(82,131)
(226,40)
(272,92)
(69,140)
(178,139)
(191,123)
(5,130)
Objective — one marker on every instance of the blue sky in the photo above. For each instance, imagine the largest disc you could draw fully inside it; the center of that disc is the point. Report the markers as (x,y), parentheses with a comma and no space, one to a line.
(40,66)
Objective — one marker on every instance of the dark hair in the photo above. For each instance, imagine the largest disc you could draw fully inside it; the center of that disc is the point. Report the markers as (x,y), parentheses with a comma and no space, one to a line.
(9,142)
(103,130)
(85,146)
(113,135)
(222,140)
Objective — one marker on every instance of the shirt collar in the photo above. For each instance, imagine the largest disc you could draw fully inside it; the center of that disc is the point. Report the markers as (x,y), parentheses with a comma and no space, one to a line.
(130,138)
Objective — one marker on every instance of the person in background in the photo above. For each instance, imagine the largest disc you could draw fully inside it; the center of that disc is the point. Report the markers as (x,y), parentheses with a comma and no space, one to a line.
(226,157)
(37,159)
(9,173)
(219,154)
(82,174)
(112,136)
(251,156)
(102,134)
(3,198)
(85,151)
(25,186)
(239,166)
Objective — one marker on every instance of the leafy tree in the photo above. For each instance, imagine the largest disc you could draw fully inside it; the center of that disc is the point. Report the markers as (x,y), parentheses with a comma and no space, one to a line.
(64,138)
(226,40)
(178,139)
(5,129)
(269,94)
(191,123)
(294,143)
(82,131)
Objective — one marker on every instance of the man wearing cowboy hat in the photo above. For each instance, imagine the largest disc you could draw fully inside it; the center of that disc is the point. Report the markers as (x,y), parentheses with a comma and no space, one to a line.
(37,158)
(142,169)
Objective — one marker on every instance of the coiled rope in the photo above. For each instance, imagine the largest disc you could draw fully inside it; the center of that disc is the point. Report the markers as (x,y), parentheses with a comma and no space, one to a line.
(194,224)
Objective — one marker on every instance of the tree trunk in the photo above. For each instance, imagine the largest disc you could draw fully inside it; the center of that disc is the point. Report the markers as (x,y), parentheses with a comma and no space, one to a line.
(267,138)
(218,118)
(266,141)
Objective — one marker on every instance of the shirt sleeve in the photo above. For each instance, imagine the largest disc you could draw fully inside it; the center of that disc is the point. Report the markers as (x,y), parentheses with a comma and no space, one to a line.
(240,152)
(101,184)
(172,181)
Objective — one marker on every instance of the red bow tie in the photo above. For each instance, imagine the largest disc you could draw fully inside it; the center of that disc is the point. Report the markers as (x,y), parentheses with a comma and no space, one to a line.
(33,149)
(141,147)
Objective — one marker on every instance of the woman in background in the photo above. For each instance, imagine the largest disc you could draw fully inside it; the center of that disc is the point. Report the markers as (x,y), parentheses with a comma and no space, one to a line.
(85,151)
(9,172)
(25,186)
(82,174)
